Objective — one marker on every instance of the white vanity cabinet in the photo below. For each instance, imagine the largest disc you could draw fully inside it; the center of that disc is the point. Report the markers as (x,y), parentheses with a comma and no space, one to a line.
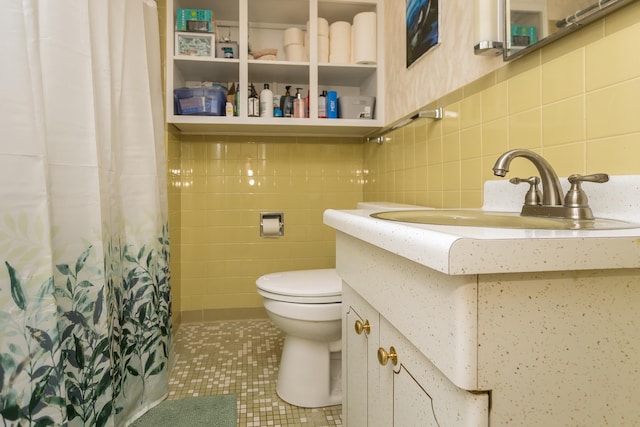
(259,25)
(548,348)
(388,382)
(544,322)
(360,331)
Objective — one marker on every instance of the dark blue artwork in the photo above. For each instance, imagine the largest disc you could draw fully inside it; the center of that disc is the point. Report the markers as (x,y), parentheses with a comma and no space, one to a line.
(422,28)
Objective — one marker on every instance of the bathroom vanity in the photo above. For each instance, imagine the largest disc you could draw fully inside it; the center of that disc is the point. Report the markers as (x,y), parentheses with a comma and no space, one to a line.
(470,326)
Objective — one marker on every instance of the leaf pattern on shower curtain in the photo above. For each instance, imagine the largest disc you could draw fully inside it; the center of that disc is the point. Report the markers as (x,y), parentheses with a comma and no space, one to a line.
(140,307)
(31,352)
(70,346)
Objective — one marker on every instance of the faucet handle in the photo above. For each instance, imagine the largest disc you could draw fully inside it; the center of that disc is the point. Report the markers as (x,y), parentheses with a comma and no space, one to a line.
(596,177)
(534,195)
(576,197)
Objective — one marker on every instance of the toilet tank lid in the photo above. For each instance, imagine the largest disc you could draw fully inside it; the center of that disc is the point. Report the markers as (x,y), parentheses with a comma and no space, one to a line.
(310,283)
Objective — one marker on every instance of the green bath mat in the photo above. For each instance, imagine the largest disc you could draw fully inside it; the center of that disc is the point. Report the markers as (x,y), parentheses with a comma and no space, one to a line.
(209,411)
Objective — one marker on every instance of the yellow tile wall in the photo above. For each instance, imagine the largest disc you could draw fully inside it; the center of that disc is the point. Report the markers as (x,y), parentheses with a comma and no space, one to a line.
(218,185)
(174,185)
(575,101)
(227,181)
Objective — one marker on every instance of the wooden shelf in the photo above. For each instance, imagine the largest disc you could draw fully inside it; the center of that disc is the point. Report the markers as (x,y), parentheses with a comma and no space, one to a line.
(259,24)
(211,125)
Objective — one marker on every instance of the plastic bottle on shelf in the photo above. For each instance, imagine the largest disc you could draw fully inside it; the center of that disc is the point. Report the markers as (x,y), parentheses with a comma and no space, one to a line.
(322,105)
(298,104)
(266,102)
(236,107)
(286,103)
(254,104)
(332,104)
(231,100)
(231,94)
(277,111)
(306,104)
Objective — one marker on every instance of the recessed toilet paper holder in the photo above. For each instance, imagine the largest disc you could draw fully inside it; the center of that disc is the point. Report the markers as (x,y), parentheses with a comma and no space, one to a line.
(271,224)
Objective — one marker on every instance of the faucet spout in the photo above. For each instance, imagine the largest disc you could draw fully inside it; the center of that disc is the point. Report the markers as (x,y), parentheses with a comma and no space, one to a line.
(551,188)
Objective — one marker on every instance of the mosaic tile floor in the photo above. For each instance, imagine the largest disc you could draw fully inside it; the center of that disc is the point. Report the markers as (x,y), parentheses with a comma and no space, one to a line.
(240,357)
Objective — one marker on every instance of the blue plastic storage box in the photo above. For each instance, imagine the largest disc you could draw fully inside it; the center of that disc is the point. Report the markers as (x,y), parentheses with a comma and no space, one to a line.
(204,101)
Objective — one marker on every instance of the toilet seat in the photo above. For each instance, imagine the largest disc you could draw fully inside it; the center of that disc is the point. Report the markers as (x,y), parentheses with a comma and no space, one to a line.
(304,286)
(325,312)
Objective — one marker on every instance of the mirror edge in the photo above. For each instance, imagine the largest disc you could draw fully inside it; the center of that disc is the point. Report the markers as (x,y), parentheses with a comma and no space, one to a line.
(555,36)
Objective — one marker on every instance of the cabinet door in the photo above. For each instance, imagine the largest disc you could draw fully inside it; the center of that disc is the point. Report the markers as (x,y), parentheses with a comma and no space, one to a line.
(415,393)
(360,342)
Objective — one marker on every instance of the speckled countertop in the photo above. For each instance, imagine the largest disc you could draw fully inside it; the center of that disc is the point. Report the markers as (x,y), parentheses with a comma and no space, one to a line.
(478,250)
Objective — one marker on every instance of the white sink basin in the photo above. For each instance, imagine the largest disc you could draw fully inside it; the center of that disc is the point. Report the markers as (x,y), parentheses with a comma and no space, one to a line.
(479,218)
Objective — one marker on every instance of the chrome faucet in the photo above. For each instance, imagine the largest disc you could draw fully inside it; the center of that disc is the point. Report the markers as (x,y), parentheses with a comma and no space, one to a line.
(552,204)
(551,188)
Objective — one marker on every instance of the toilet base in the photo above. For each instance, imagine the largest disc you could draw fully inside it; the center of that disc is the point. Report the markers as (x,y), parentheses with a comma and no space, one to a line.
(308,376)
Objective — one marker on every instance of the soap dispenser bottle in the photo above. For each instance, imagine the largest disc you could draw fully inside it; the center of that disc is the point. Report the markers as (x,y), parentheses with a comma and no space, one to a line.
(286,103)
(298,104)
(322,105)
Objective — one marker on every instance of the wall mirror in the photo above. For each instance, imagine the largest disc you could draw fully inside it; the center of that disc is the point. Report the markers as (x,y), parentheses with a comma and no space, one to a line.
(531,24)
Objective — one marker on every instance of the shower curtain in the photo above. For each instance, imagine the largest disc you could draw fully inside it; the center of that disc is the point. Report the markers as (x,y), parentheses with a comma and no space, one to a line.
(85,318)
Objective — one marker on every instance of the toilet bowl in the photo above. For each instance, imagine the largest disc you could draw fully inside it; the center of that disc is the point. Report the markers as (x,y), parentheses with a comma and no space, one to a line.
(306,306)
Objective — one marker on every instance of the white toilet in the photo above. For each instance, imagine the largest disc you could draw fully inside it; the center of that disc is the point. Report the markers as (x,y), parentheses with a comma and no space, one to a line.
(306,306)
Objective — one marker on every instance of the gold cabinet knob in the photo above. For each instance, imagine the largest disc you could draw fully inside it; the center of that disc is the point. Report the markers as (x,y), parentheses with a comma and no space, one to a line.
(363,327)
(384,357)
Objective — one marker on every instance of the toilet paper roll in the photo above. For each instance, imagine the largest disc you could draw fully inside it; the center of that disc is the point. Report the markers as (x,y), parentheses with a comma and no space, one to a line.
(363,34)
(340,42)
(293,35)
(295,53)
(323,27)
(323,49)
(270,227)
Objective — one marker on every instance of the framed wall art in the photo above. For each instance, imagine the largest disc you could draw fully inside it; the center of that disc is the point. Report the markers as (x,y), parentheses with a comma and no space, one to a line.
(422,28)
